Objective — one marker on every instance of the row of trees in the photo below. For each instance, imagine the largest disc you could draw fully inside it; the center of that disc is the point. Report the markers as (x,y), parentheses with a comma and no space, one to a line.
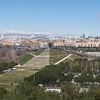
(3,92)
(84,49)
(79,65)
(26,91)
(5,66)
(65,72)
(87,78)
(59,75)
(50,75)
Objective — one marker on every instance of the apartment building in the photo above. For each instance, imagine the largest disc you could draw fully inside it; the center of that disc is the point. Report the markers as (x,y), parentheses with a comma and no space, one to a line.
(76,42)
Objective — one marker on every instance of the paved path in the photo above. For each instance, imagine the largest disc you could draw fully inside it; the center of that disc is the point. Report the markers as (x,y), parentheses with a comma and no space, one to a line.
(32,54)
(62,59)
(38,61)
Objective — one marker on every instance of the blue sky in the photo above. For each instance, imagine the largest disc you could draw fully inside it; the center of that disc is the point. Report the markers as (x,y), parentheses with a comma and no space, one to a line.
(62,16)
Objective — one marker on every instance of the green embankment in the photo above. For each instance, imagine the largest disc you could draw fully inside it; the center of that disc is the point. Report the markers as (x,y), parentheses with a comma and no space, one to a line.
(25,58)
(56,55)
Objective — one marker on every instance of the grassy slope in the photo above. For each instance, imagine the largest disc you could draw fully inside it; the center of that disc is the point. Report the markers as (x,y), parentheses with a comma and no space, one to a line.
(56,55)
(25,58)
(17,76)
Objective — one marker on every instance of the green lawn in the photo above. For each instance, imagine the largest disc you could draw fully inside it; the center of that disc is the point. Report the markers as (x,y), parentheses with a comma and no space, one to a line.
(15,77)
(56,55)
(19,74)
(25,58)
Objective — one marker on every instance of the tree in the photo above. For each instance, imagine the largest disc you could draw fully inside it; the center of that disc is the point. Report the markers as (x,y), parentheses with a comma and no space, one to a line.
(98,78)
(2,92)
(94,92)
(69,91)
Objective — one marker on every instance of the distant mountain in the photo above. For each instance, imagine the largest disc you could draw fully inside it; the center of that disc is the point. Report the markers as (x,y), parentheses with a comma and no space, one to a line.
(19,34)
(13,34)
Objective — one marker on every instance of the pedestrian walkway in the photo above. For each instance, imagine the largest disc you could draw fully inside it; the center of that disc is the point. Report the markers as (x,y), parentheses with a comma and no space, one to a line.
(62,59)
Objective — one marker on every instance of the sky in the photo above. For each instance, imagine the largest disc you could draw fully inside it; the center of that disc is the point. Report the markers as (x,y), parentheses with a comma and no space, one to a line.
(71,17)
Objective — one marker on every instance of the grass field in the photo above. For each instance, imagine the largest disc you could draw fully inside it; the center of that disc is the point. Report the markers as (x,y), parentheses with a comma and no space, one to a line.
(18,75)
(26,57)
(56,55)
(14,77)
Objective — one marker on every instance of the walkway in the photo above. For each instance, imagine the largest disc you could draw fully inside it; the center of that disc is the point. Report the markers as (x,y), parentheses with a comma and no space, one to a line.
(62,59)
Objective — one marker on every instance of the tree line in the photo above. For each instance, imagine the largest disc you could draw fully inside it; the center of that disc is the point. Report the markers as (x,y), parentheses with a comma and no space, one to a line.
(59,75)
